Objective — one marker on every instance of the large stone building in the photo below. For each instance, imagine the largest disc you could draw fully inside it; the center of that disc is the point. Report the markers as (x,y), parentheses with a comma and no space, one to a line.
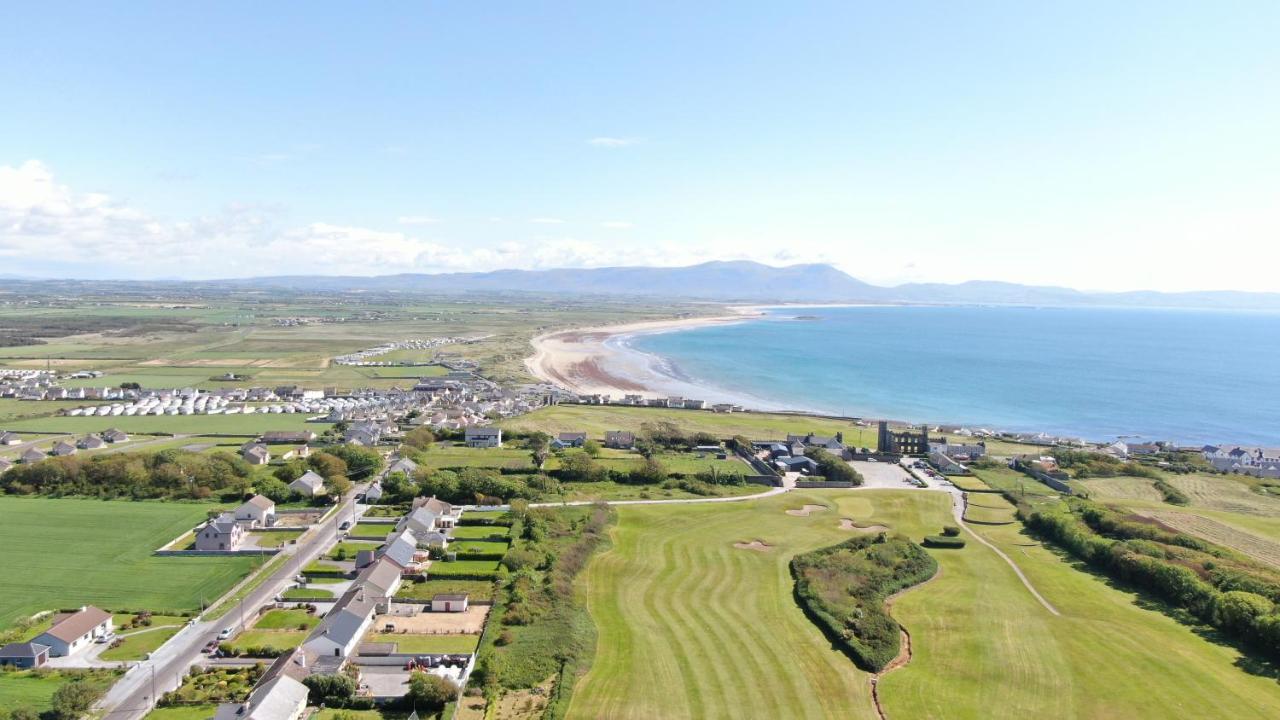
(903,442)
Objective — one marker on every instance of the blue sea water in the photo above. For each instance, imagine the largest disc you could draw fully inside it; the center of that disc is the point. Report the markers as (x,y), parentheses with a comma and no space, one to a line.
(1186,376)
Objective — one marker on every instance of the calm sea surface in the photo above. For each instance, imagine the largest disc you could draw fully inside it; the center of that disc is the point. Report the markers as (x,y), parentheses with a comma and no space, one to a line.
(1187,376)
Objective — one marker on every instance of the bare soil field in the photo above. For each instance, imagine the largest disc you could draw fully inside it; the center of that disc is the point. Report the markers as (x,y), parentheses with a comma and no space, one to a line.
(1221,533)
(431,623)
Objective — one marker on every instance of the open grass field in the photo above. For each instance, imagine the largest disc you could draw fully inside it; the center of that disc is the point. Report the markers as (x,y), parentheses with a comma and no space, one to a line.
(989,508)
(596,419)
(75,552)
(692,627)
(477,589)
(33,689)
(1214,531)
(609,490)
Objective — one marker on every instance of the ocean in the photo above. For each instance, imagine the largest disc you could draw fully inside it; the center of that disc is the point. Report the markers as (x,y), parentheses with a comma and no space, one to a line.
(1180,375)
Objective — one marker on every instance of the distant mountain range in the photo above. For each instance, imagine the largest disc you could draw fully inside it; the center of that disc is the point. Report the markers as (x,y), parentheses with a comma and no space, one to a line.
(736,281)
(745,281)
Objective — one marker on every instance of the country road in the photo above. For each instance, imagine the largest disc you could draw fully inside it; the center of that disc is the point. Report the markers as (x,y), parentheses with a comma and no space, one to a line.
(133,696)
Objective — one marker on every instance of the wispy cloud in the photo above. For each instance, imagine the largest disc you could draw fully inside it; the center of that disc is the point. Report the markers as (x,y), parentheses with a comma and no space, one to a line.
(613,142)
(546,221)
(617,225)
(417,220)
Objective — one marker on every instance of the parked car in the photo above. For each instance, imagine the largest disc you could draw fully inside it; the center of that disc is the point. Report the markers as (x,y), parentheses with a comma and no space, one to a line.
(105,638)
(226,633)
(346,525)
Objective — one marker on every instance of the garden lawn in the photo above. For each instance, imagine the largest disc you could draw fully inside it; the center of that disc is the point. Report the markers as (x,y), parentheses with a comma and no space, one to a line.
(104,557)
(413,643)
(286,620)
(137,643)
(276,538)
(440,569)
(476,589)
(480,532)
(278,639)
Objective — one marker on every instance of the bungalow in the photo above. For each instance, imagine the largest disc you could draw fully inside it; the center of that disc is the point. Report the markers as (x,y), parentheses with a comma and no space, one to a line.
(256,454)
(73,632)
(222,533)
(483,437)
(32,455)
(115,436)
(569,439)
(447,514)
(946,465)
(340,631)
(62,448)
(24,655)
(420,520)
(800,464)
(8,438)
(309,484)
(619,439)
(722,408)
(382,578)
(373,494)
(91,442)
(691,404)
(449,603)
(257,511)
(279,698)
(403,465)
(402,549)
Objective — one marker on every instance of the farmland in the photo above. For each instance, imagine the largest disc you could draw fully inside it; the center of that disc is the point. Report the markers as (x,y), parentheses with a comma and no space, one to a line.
(673,599)
(88,551)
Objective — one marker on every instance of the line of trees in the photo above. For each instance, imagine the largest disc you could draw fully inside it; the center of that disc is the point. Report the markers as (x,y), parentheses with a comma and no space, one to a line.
(1212,584)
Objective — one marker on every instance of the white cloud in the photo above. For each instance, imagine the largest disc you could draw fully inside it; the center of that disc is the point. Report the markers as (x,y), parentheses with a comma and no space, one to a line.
(546,221)
(613,142)
(417,220)
(617,225)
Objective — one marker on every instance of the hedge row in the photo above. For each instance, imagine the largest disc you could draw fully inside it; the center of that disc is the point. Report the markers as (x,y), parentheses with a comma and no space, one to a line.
(943,541)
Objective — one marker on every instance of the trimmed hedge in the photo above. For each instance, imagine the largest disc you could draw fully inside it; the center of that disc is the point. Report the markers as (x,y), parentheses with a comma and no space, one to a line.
(944,541)
(842,589)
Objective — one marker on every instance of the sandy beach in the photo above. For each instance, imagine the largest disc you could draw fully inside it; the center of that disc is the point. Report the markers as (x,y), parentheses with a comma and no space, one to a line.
(596,360)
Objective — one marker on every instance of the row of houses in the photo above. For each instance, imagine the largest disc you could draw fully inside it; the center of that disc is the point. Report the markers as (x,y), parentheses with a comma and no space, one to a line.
(1257,461)
(636,400)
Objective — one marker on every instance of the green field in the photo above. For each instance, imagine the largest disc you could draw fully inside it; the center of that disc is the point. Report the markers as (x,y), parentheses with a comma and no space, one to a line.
(75,552)
(462,567)
(32,689)
(597,419)
(138,643)
(277,639)
(692,627)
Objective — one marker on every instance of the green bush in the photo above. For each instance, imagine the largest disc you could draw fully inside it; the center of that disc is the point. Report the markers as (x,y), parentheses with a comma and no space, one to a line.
(943,541)
(842,589)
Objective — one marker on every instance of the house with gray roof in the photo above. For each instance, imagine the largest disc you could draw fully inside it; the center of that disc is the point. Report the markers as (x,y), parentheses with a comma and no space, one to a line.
(91,442)
(257,511)
(309,484)
(62,448)
(223,533)
(32,455)
(401,549)
(340,631)
(24,655)
(276,697)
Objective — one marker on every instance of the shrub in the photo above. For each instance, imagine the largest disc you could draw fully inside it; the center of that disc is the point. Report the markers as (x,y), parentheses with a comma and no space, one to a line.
(944,541)
(950,530)
(842,589)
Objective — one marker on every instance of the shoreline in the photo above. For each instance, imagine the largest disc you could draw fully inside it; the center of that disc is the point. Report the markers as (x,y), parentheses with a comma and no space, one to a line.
(597,360)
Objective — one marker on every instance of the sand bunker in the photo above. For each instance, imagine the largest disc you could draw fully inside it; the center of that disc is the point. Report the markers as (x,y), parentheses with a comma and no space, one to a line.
(849,524)
(753,545)
(806,510)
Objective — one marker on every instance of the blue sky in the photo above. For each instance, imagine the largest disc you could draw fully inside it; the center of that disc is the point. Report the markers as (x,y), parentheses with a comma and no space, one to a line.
(1089,145)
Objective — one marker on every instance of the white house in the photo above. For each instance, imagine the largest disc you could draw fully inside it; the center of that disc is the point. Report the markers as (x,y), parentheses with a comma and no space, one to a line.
(279,698)
(255,454)
(258,511)
(381,579)
(421,521)
(402,549)
(309,484)
(340,631)
(373,494)
(483,437)
(72,633)
(449,603)
(446,514)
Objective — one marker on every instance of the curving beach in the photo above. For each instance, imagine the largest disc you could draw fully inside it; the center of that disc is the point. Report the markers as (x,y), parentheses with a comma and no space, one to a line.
(598,360)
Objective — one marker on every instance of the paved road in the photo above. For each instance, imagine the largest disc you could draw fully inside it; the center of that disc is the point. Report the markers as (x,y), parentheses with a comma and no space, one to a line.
(132,697)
